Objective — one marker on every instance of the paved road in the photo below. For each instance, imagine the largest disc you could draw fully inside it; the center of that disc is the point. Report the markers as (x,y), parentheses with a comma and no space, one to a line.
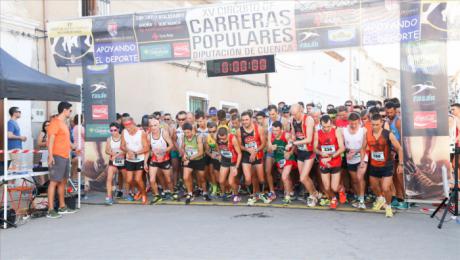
(211,232)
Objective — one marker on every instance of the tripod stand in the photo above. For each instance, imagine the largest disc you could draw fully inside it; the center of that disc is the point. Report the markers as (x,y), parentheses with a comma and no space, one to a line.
(452,200)
(2,220)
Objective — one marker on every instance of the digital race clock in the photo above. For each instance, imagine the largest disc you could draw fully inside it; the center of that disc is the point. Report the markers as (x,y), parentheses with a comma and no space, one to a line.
(241,66)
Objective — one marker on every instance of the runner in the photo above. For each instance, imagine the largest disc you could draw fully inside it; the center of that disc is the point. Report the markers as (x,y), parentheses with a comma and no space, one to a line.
(353,136)
(160,147)
(393,123)
(134,144)
(379,142)
(117,159)
(212,157)
(212,114)
(234,124)
(302,129)
(230,154)
(193,160)
(284,157)
(329,146)
(252,142)
(222,119)
(178,139)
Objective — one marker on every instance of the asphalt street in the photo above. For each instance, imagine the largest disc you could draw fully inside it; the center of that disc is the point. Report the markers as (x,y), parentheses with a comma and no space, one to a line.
(216,232)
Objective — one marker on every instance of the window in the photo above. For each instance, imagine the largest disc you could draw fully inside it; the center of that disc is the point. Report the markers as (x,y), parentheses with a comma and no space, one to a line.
(226,106)
(197,103)
(95,7)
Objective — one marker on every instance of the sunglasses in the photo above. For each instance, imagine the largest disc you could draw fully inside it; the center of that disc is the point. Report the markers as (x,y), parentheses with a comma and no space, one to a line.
(113,130)
(127,124)
(47,125)
(212,132)
(167,119)
(181,119)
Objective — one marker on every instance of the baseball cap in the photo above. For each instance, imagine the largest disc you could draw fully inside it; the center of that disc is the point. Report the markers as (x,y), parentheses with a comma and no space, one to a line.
(212,111)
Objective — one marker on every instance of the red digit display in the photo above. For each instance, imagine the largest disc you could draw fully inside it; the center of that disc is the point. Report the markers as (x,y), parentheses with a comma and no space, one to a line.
(243,66)
(224,67)
(236,66)
(255,65)
(263,64)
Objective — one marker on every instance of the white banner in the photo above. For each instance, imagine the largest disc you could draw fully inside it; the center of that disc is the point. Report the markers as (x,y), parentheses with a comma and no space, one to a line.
(241,30)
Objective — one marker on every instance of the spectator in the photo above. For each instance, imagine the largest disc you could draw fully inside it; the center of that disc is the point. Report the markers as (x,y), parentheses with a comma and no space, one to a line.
(15,138)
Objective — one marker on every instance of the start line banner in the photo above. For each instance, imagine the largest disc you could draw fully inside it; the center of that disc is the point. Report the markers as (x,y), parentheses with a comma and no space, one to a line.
(240,29)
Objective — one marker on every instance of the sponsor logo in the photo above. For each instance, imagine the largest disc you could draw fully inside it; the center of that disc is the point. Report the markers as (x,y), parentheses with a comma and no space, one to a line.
(100,112)
(423,94)
(306,36)
(97,131)
(425,120)
(112,28)
(181,49)
(156,51)
(98,87)
(341,35)
(308,40)
(97,69)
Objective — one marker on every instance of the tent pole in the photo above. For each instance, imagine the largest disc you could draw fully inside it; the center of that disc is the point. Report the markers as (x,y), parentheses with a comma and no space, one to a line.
(5,161)
(79,157)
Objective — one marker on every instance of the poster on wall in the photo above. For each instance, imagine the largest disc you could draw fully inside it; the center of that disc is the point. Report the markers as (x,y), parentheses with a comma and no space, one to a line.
(71,42)
(98,101)
(162,35)
(424,99)
(241,30)
(115,42)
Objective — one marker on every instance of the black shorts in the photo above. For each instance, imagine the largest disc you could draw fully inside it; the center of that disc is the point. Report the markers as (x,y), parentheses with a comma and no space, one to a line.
(197,165)
(353,167)
(207,160)
(330,170)
(118,167)
(215,164)
(304,156)
(166,165)
(226,162)
(380,172)
(134,166)
(344,163)
(246,159)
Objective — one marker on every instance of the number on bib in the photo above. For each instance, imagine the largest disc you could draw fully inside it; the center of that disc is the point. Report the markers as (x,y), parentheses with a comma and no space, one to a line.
(329,149)
(378,156)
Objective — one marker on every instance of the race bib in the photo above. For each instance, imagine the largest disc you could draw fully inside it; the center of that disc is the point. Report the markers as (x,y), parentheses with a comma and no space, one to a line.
(329,149)
(302,147)
(251,145)
(378,156)
(357,156)
(191,152)
(226,153)
(214,154)
(119,161)
(281,163)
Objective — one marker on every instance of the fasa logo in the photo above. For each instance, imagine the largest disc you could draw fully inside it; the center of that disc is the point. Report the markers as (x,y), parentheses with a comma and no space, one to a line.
(424,93)
(98,90)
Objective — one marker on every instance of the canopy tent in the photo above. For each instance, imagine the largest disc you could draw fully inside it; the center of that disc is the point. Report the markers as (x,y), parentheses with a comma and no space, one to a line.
(18,81)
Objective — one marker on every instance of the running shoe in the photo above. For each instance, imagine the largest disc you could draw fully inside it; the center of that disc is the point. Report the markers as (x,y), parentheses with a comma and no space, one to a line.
(388,212)
(394,202)
(224,197)
(333,204)
(287,199)
(342,197)
(66,210)
(378,204)
(53,214)
(361,205)
(138,196)
(118,194)
(272,196)
(129,197)
(206,197)
(324,202)
(251,201)
(355,204)
(167,195)
(188,199)
(264,198)
(163,195)
(312,201)
(236,199)
(175,197)
(156,199)
(108,201)
(402,205)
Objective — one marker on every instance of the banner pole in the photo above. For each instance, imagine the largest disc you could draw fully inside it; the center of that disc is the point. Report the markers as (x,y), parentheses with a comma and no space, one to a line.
(5,161)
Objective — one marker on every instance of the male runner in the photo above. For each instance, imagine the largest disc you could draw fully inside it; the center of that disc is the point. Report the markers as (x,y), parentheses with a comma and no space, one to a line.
(302,128)
(379,142)
(160,147)
(329,146)
(252,142)
(193,160)
(134,144)
(353,136)
(213,156)
(116,161)
(230,154)
(178,139)
(283,154)
(393,123)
